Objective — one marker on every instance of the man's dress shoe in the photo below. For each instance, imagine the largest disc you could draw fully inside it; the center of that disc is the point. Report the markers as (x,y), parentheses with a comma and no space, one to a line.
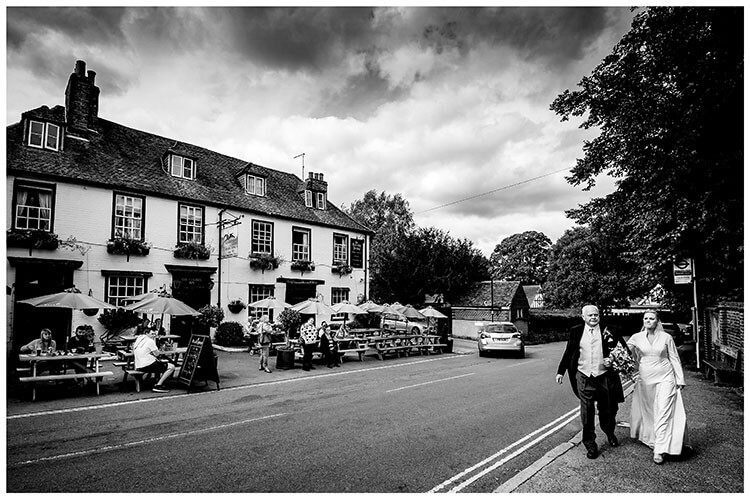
(612,439)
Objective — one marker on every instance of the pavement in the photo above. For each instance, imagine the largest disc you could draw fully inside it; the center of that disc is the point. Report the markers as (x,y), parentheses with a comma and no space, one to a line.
(715,414)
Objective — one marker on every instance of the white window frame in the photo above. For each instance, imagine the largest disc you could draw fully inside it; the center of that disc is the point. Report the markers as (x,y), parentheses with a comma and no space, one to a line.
(337,296)
(340,250)
(22,218)
(121,286)
(301,252)
(255,185)
(321,200)
(127,203)
(191,230)
(261,237)
(308,198)
(259,292)
(44,135)
(178,167)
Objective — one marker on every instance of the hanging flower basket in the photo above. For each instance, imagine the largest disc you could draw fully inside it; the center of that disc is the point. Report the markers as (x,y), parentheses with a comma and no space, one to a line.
(236,306)
(192,251)
(341,269)
(32,239)
(303,266)
(127,246)
(264,261)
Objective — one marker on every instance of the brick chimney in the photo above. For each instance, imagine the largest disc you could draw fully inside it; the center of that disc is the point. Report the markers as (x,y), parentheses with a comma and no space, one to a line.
(81,99)
(316,183)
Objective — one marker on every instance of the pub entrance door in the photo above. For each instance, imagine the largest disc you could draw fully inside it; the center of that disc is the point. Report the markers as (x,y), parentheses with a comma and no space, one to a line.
(193,287)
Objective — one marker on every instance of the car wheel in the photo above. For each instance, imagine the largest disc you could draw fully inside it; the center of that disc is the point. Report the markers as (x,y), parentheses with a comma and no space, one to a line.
(522,353)
(482,354)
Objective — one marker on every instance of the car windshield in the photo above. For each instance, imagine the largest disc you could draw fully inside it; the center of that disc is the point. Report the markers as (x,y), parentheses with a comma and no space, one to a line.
(500,328)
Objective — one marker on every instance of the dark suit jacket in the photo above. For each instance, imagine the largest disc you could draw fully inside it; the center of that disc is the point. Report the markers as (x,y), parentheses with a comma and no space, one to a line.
(569,361)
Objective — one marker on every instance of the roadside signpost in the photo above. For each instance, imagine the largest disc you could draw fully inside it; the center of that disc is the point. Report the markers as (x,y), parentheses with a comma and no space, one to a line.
(683,271)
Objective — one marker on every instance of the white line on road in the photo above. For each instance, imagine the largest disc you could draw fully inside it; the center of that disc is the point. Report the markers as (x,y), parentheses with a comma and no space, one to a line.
(567,417)
(108,448)
(429,382)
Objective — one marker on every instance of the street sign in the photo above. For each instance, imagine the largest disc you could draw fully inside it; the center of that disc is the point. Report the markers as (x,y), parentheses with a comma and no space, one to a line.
(683,271)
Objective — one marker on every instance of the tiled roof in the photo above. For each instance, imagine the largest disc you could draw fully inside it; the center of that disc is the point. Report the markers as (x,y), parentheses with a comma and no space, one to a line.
(119,157)
(481,294)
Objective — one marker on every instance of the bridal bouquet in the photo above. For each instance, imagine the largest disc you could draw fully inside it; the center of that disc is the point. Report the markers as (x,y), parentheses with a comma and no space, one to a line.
(623,362)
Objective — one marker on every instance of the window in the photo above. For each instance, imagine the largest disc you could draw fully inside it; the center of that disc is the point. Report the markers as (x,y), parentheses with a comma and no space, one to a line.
(259,292)
(300,244)
(321,200)
(261,237)
(337,296)
(33,206)
(340,244)
(190,225)
(123,286)
(182,167)
(308,199)
(255,185)
(128,219)
(44,135)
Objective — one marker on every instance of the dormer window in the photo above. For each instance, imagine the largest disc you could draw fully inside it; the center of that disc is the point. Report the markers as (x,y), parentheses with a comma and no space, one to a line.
(182,167)
(255,185)
(321,200)
(44,135)
(315,199)
(309,199)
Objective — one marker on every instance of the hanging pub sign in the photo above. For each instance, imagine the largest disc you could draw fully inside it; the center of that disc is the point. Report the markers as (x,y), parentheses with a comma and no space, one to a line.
(683,270)
(199,363)
(357,253)
(228,245)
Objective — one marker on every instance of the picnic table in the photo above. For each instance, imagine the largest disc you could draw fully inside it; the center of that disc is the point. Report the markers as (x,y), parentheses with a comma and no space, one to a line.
(59,364)
(400,344)
(126,360)
(351,344)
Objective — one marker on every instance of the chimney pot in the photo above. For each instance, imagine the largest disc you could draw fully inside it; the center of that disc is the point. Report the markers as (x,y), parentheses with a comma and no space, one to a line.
(92,76)
(310,175)
(80,68)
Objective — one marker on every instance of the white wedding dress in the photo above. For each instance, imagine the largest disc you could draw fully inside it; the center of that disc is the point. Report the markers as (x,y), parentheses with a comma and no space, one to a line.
(657,416)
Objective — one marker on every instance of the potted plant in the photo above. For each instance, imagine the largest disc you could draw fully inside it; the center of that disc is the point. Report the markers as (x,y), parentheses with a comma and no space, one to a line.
(115,321)
(303,265)
(290,321)
(32,239)
(211,316)
(230,334)
(341,268)
(192,251)
(236,306)
(264,261)
(128,246)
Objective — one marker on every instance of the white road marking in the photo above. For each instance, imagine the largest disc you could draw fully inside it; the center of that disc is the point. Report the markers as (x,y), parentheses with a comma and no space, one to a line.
(565,418)
(108,448)
(429,382)
(214,392)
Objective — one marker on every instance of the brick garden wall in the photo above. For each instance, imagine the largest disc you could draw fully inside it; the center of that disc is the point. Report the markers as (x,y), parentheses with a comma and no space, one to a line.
(731,330)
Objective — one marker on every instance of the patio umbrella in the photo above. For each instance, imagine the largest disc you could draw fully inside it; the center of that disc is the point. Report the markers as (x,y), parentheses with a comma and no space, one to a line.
(397,306)
(72,299)
(371,306)
(346,307)
(162,304)
(270,302)
(431,312)
(391,310)
(411,313)
(312,306)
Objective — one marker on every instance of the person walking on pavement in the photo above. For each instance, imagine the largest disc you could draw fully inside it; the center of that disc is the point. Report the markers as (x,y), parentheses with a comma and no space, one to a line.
(594,382)
(308,337)
(657,414)
(264,340)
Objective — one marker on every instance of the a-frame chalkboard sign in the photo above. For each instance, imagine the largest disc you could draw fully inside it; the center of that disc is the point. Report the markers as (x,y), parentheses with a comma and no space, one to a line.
(199,363)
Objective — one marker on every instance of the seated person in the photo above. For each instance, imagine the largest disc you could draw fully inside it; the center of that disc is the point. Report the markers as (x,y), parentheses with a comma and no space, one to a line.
(147,360)
(44,344)
(81,342)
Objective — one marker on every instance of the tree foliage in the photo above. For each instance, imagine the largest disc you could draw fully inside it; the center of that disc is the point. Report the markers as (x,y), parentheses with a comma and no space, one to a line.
(522,257)
(668,102)
(586,267)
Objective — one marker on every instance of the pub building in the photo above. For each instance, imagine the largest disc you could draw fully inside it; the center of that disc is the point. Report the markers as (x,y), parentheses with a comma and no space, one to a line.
(117,212)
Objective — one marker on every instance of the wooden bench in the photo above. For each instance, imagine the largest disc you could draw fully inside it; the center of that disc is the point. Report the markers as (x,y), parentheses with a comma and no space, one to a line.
(56,377)
(359,351)
(382,350)
(728,369)
(137,376)
(438,347)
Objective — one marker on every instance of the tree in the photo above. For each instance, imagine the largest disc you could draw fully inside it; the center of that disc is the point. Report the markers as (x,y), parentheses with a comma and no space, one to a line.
(586,267)
(522,257)
(669,104)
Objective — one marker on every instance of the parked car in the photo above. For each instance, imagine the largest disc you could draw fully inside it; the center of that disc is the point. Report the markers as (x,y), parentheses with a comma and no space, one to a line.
(412,326)
(500,337)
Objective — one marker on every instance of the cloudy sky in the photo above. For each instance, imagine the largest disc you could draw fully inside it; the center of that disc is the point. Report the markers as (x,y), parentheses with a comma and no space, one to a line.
(438,104)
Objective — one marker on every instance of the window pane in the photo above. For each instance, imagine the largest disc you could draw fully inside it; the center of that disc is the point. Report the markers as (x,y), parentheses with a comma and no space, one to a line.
(188,168)
(119,287)
(262,237)
(191,224)
(259,292)
(53,132)
(176,166)
(128,216)
(33,208)
(36,132)
(300,244)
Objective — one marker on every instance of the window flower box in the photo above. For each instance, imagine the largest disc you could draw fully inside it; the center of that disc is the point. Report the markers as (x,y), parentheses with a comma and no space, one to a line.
(127,246)
(192,251)
(303,266)
(264,261)
(341,269)
(236,306)
(32,239)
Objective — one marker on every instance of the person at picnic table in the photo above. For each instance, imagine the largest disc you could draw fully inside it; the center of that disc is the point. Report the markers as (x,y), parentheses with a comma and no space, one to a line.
(81,342)
(308,339)
(147,360)
(264,339)
(328,346)
(44,344)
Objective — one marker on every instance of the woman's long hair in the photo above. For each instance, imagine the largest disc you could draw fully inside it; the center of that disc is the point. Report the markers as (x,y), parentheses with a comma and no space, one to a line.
(46,343)
(658,327)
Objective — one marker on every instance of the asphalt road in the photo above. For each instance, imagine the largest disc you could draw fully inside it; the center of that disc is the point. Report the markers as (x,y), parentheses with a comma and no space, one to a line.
(441,423)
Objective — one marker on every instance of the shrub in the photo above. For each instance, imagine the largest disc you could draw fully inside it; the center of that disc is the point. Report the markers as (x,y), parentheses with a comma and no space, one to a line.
(230,334)
(211,316)
(290,320)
